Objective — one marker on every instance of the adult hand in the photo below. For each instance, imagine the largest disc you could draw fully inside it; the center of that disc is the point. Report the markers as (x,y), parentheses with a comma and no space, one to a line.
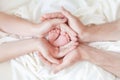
(45,50)
(49,52)
(72,58)
(44,27)
(73,21)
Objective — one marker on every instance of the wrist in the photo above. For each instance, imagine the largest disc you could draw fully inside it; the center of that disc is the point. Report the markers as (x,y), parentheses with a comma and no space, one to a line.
(83,52)
(85,35)
(39,43)
(36,44)
(36,30)
(39,30)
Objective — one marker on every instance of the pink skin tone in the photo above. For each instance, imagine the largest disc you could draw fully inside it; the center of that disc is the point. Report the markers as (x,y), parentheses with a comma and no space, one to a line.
(58,37)
(61,39)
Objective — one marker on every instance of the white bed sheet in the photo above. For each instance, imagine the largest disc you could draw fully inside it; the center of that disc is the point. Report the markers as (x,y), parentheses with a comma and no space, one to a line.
(29,67)
(5,71)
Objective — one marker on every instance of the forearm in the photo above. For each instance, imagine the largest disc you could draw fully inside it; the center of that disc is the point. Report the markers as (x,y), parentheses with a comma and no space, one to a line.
(14,49)
(110,61)
(102,32)
(14,25)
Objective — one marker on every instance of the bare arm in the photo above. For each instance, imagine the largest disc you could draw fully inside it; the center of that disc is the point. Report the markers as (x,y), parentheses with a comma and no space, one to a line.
(103,32)
(14,25)
(110,61)
(14,49)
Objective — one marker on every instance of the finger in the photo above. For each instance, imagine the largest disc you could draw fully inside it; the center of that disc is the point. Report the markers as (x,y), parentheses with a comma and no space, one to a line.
(45,51)
(48,25)
(62,66)
(67,48)
(67,13)
(53,15)
(71,33)
(71,43)
(68,60)
(68,29)
(50,57)
(66,51)
(46,62)
(57,68)
(57,21)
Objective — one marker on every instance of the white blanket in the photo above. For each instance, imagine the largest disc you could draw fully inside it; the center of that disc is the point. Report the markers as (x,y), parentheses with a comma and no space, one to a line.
(29,67)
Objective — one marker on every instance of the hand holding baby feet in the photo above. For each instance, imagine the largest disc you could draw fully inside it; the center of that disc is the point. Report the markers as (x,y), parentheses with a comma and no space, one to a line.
(60,41)
(46,50)
(64,38)
(70,59)
(58,38)
(74,23)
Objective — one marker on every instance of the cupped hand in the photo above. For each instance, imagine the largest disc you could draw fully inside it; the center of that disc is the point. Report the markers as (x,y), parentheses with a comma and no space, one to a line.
(76,26)
(64,38)
(44,27)
(48,49)
(49,54)
(77,55)
(74,22)
(67,61)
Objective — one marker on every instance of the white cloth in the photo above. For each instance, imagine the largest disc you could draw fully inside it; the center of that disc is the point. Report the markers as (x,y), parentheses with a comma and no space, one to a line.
(29,67)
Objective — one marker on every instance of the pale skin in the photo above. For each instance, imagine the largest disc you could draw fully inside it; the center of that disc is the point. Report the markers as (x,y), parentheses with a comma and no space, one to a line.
(63,37)
(110,61)
(22,27)
(95,56)
(56,46)
(15,25)
(58,37)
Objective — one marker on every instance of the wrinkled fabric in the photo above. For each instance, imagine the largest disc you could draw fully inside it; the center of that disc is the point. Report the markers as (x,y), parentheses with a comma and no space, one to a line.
(30,67)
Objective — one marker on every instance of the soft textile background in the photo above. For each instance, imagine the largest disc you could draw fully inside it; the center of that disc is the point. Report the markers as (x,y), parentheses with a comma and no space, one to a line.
(29,67)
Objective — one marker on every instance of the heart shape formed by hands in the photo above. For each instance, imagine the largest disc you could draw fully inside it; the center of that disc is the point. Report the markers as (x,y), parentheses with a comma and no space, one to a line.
(64,38)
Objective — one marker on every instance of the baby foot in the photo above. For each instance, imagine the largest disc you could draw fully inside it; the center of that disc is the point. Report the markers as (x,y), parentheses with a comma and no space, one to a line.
(62,39)
(53,35)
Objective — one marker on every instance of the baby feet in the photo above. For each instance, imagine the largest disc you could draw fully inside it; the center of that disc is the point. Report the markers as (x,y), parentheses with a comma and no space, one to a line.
(53,35)
(62,40)
(58,38)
